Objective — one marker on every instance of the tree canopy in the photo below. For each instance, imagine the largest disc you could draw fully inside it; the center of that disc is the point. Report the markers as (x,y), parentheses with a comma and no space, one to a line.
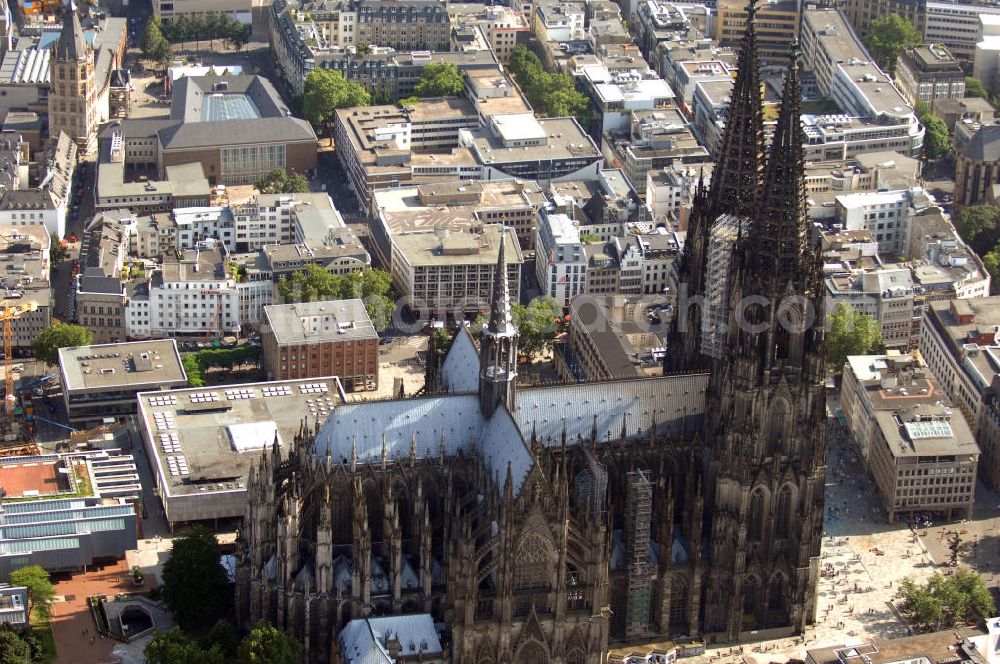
(325,91)
(57,250)
(551,95)
(439,79)
(978,226)
(61,335)
(193,371)
(195,584)
(266,644)
(279,182)
(975,88)
(851,333)
(13,648)
(210,26)
(174,647)
(40,590)
(946,601)
(314,284)
(936,136)
(153,44)
(887,36)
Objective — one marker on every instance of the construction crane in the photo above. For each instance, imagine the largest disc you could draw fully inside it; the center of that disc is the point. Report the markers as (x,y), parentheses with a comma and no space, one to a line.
(8,314)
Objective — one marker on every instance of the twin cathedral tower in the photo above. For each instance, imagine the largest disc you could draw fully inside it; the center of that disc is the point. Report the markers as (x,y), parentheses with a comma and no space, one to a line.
(541,524)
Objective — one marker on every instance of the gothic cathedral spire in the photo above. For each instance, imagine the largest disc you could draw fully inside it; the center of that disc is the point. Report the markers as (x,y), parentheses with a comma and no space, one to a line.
(780,246)
(498,345)
(739,164)
(736,183)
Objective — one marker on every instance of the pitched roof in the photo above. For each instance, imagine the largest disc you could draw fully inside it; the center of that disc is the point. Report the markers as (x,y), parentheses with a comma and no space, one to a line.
(235,132)
(985,144)
(72,45)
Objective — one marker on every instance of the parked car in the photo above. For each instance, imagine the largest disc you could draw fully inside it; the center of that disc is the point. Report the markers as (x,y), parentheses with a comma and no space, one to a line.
(385,341)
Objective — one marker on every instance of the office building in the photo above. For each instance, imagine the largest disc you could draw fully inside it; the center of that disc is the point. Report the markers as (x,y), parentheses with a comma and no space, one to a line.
(875,115)
(560,262)
(615,336)
(928,72)
(957,25)
(101,381)
(202,442)
(317,339)
(920,451)
(777,26)
(198,293)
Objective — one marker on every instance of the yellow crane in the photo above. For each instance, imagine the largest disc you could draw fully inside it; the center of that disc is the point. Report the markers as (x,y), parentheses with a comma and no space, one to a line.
(8,314)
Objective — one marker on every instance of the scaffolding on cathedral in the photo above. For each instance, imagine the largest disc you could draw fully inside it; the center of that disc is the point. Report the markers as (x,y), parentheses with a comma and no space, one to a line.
(640,508)
(715,318)
(592,486)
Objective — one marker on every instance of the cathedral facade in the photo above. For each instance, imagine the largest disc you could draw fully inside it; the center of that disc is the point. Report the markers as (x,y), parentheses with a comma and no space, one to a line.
(541,524)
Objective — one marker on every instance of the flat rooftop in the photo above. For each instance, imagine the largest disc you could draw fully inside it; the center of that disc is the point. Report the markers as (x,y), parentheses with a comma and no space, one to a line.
(404,210)
(911,433)
(135,364)
(835,35)
(458,248)
(27,478)
(205,439)
(565,140)
(314,322)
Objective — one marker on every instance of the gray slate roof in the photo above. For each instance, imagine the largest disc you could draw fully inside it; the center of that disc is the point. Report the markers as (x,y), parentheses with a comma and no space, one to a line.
(985,144)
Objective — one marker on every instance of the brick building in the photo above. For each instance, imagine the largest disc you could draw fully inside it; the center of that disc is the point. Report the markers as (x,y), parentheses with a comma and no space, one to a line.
(318,339)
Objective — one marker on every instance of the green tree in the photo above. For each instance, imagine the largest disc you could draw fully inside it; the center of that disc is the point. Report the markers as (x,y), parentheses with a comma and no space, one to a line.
(325,91)
(174,647)
(193,371)
(151,37)
(238,35)
(40,590)
(279,182)
(57,250)
(936,137)
(975,88)
(946,601)
(408,101)
(441,338)
(538,325)
(551,95)
(195,584)
(589,238)
(223,635)
(315,284)
(850,333)
(887,36)
(439,79)
(61,335)
(266,644)
(13,649)
(978,226)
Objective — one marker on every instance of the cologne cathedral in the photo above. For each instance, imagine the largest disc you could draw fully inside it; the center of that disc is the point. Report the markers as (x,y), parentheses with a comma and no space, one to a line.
(539,525)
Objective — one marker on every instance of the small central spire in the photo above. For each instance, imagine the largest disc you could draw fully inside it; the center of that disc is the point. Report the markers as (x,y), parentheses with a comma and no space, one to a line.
(501,316)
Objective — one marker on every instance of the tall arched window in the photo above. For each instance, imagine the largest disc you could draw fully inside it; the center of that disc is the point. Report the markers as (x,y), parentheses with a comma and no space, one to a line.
(777,426)
(576,656)
(531,564)
(783,513)
(531,652)
(755,516)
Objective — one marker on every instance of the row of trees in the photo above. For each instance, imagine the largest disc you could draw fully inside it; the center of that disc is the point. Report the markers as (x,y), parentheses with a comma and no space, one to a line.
(551,95)
(159,35)
(265,644)
(196,364)
(313,284)
(946,601)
